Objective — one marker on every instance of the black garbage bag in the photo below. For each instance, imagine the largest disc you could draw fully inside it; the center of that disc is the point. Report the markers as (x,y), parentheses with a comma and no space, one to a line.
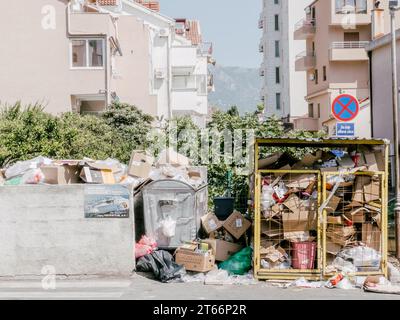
(162,265)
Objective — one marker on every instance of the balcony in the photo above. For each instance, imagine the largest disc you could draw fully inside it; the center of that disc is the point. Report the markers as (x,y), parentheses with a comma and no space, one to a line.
(305,61)
(261,47)
(357,14)
(304,29)
(262,70)
(205,49)
(348,51)
(306,123)
(261,22)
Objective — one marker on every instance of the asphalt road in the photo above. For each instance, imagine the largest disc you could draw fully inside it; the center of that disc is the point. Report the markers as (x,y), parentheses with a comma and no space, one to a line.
(139,288)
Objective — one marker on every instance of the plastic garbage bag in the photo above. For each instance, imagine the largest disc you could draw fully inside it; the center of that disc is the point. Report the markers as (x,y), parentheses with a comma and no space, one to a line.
(362,256)
(168,227)
(267,197)
(34,176)
(239,263)
(343,265)
(145,246)
(162,265)
(21,167)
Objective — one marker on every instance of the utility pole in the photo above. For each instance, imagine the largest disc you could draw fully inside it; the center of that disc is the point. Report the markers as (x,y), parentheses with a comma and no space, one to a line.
(393,6)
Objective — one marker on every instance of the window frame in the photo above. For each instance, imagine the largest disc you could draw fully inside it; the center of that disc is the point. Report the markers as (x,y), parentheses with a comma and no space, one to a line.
(87,67)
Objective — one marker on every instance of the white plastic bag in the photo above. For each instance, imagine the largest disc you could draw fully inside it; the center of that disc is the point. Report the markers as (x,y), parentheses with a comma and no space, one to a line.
(34,176)
(267,199)
(168,227)
(21,167)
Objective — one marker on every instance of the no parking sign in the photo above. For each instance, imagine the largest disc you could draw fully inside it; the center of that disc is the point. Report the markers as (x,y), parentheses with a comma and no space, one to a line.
(345,108)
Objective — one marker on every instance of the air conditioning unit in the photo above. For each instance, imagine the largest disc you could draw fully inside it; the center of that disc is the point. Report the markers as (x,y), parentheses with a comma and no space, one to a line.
(159,74)
(164,32)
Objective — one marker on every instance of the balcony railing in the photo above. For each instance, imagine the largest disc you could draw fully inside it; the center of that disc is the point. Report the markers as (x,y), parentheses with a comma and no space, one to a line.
(305,54)
(304,23)
(261,22)
(349,45)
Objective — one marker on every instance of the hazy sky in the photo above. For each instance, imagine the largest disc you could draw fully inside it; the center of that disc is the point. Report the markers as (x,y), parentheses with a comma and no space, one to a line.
(230,24)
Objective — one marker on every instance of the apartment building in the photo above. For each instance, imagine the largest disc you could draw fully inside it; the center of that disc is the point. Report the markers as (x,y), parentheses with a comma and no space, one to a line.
(379,51)
(283,89)
(88,53)
(336,62)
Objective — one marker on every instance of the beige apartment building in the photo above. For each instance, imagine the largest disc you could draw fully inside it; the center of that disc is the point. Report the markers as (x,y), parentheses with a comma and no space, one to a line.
(336,34)
(72,57)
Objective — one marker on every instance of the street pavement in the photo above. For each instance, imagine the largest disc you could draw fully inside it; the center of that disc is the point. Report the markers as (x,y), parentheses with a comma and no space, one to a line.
(138,287)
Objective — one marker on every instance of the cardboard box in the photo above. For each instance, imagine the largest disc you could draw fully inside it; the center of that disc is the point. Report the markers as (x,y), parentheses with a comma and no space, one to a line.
(170,156)
(210,223)
(372,191)
(296,225)
(223,249)
(236,224)
(62,175)
(371,236)
(140,165)
(97,174)
(293,203)
(194,261)
(273,254)
(309,159)
(357,215)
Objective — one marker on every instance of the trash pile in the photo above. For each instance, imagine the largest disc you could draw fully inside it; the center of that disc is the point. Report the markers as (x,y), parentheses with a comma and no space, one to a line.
(290,206)
(142,168)
(220,258)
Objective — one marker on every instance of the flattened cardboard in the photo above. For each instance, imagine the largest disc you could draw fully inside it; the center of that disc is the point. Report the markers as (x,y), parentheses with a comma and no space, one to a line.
(293,203)
(272,229)
(333,203)
(210,223)
(371,162)
(93,175)
(223,250)
(371,236)
(358,192)
(357,215)
(309,159)
(334,220)
(236,224)
(333,248)
(301,181)
(140,165)
(372,191)
(61,175)
(380,160)
(273,254)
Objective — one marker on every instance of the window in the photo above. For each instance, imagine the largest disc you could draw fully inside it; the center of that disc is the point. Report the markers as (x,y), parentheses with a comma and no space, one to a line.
(311,110)
(276,22)
(319,110)
(278,101)
(184,82)
(277,75)
(316,76)
(324,73)
(87,53)
(351,36)
(351,6)
(276,1)
(277,49)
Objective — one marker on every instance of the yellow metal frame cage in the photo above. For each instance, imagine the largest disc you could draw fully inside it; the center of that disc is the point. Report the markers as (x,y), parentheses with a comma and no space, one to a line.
(319,272)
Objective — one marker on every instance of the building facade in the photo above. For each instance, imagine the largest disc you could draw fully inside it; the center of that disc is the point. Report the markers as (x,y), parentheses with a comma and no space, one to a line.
(336,62)
(283,87)
(90,53)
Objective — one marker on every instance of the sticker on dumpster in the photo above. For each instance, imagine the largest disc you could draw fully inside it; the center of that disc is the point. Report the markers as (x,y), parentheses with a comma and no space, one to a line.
(239,223)
(345,108)
(107,201)
(345,129)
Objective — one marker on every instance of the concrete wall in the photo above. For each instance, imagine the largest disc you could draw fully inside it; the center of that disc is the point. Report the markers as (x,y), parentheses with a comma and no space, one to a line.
(46,225)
